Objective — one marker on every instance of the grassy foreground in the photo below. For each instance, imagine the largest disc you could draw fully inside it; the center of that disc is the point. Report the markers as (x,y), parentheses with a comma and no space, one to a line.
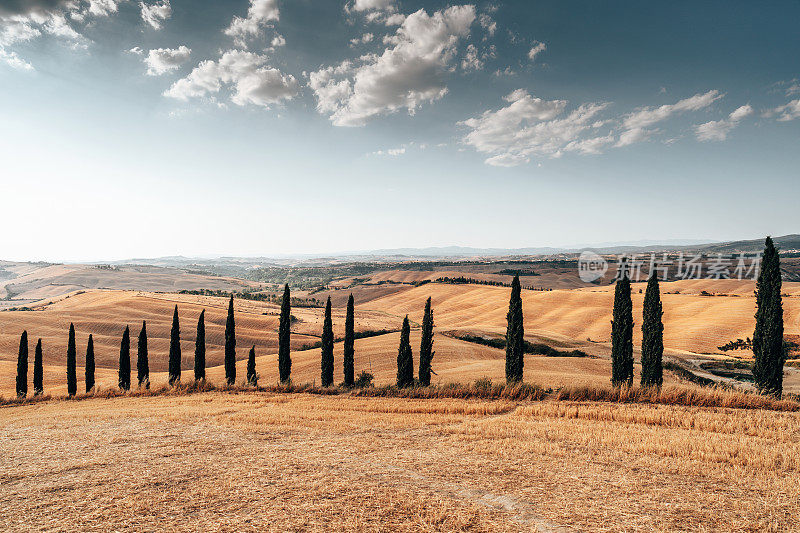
(269,460)
(686,395)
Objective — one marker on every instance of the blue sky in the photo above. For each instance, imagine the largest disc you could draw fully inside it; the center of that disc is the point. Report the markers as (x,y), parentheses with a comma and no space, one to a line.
(260,127)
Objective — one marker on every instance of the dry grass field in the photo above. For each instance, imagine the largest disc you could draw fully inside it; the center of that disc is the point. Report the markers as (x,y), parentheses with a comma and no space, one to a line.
(223,461)
(264,460)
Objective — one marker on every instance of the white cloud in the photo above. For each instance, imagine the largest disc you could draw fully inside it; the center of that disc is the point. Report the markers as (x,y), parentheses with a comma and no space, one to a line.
(163,60)
(410,72)
(471,60)
(717,130)
(102,8)
(24,21)
(636,124)
(374,5)
(13,60)
(252,81)
(395,19)
(648,116)
(278,41)
(366,38)
(537,49)
(136,50)
(789,111)
(155,14)
(633,135)
(259,14)
(530,126)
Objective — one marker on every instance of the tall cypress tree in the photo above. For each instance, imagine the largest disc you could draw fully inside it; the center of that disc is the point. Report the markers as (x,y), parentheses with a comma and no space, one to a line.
(515,334)
(72,379)
(142,361)
(652,335)
(230,346)
(125,360)
(622,333)
(768,344)
(327,347)
(200,348)
(426,347)
(38,371)
(405,360)
(252,376)
(175,350)
(89,366)
(349,343)
(284,334)
(22,366)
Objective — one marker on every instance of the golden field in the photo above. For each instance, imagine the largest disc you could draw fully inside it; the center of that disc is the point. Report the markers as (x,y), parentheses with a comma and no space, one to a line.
(258,460)
(695,325)
(223,461)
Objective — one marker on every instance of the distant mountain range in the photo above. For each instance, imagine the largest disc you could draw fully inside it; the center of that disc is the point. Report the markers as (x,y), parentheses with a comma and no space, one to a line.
(785,243)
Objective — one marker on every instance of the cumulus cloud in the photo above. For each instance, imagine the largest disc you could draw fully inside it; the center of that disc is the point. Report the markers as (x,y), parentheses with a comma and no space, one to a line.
(410,72)
(248,76)
(163,60)
(374,5)
(155,14)
(537,49)
(636,124)
(789,111)
(717,130)
(530,126)
(278,41)
(22,21)
(260,14)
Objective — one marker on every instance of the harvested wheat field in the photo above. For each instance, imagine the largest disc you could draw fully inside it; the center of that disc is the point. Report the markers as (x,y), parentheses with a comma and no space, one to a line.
(566,319)
(223,461)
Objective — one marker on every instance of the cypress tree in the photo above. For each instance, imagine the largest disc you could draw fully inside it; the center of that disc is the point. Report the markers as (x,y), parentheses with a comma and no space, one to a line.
(89,367)
(622,333)
(72,379)
(652,335)
(38,371)
(175,350)
(142,362)
(327,347)
(426,347)
(230,346)
(349,343)
(200,348)
(405,360)
(768,344)
(284,333)
(252,377)
(125,360)
(22,366)
(515,334)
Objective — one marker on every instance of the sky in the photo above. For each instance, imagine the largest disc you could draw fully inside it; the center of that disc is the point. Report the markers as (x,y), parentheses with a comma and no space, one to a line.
(272,127)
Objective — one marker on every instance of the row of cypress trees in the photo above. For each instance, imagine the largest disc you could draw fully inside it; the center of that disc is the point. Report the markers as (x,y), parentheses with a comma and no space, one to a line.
(622,334)
(769,347)
(405,358)
(142,360)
